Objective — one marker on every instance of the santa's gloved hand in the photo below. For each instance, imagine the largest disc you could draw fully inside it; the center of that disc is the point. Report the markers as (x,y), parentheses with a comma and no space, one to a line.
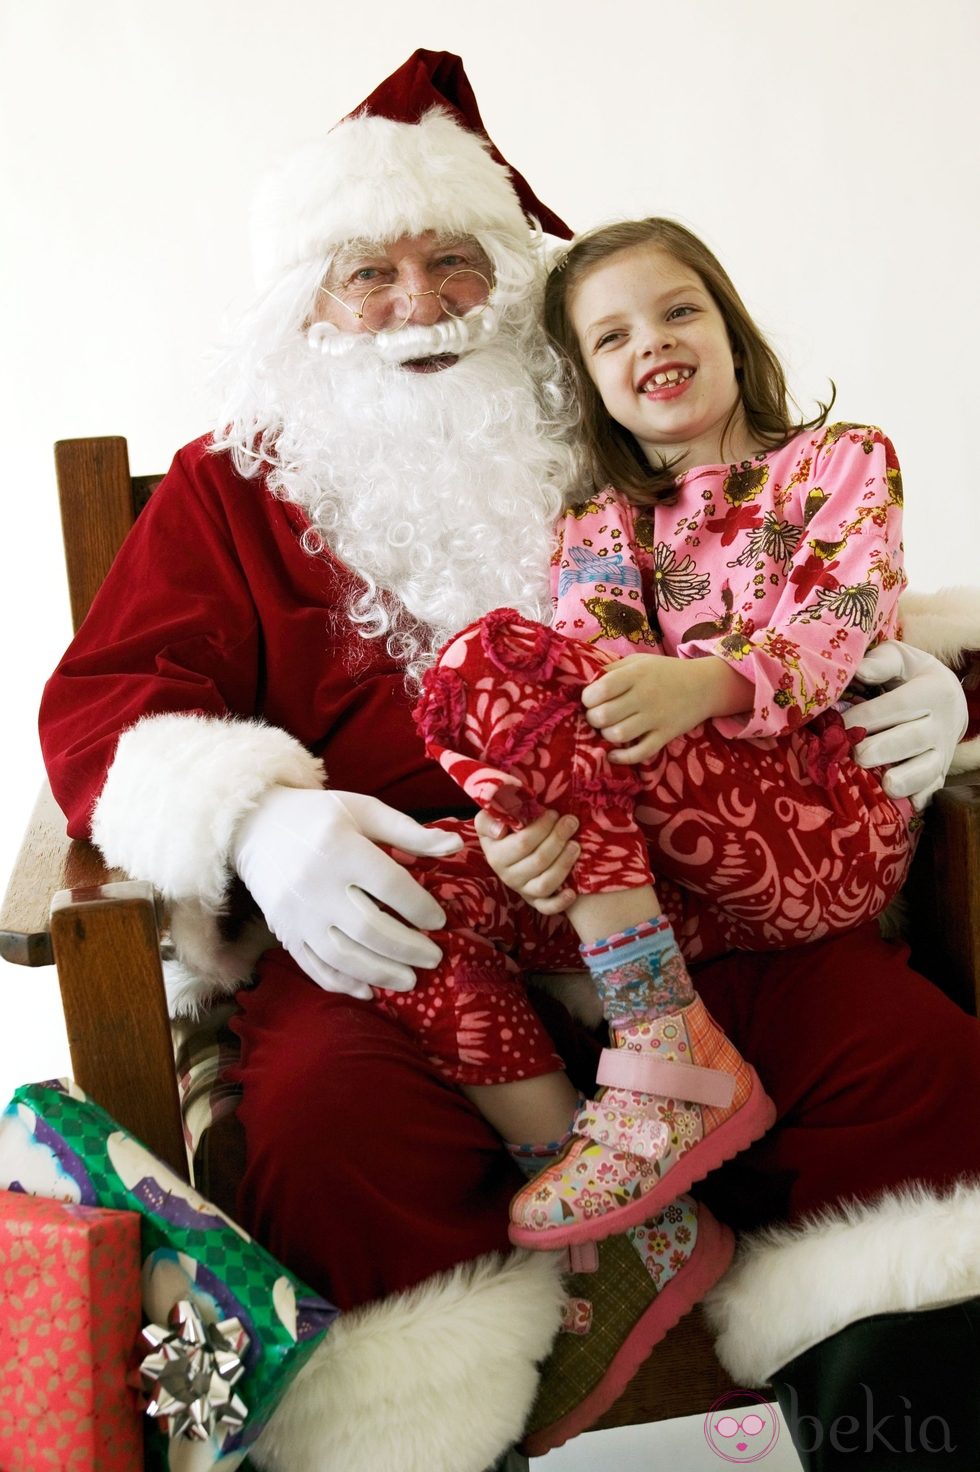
(914,727)
(311,862)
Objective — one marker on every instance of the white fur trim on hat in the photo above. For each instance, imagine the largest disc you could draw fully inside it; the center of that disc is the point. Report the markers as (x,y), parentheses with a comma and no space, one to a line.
(792,1287)
(176,789)
(372,178)
(439,1379)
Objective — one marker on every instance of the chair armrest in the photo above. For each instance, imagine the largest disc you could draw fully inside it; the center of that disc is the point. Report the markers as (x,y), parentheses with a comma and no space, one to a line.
(944,892)
(48,861)
(106,945)
(64,907)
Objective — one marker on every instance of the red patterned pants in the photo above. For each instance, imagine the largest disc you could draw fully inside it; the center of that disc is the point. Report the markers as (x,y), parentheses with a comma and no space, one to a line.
(367,1173)
(752,845)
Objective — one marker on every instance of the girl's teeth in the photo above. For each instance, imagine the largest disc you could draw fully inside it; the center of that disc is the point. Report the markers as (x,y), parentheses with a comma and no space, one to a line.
(672,375)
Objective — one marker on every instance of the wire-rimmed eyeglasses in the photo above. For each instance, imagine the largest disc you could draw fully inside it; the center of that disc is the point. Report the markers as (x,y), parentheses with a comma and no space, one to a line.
(387,307)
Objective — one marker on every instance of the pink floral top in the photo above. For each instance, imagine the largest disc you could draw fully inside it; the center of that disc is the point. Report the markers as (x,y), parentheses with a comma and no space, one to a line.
(788,566)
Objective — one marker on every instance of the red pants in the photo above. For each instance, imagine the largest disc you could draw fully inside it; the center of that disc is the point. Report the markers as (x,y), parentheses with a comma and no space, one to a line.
(367,1172)
(785,839)
(751,844)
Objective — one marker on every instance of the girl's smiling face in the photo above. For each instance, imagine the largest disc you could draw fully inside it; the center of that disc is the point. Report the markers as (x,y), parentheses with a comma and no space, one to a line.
(656,346)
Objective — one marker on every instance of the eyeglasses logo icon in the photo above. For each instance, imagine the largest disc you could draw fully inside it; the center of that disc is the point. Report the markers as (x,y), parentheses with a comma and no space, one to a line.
(740,1433)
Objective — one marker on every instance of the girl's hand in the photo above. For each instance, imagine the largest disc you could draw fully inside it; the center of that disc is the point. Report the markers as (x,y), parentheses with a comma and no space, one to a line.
(643,701)
(535,861)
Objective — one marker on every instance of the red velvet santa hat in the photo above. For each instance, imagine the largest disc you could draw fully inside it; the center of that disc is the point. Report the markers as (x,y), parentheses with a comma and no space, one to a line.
(414,156)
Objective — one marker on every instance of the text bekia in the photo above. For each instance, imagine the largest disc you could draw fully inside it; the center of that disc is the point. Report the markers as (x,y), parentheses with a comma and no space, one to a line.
(898,1430)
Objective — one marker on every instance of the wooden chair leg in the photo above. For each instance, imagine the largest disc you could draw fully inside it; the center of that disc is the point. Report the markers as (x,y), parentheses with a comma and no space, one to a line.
(116,1014)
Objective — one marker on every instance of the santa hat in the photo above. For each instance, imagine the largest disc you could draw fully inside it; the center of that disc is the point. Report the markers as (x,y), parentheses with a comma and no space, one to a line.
(414,156)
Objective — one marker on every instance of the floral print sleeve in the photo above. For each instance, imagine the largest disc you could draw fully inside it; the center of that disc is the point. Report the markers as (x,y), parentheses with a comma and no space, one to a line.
(787,566)
(835,575)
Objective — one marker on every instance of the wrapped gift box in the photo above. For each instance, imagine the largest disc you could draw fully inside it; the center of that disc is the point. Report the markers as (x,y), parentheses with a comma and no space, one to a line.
(69,1316)
(56,1142)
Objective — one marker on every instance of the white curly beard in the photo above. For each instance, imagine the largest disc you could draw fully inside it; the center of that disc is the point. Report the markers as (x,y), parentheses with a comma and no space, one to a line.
(440,490)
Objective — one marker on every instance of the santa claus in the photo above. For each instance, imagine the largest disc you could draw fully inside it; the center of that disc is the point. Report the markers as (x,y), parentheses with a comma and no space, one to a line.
(394,444)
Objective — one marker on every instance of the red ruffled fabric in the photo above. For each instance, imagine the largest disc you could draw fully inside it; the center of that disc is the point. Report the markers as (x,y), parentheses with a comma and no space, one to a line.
(828,742)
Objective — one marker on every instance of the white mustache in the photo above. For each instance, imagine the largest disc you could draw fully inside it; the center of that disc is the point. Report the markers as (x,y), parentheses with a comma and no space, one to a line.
(455,335)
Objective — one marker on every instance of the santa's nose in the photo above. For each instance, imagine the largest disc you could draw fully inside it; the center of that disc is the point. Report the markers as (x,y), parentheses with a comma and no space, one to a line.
(427,309)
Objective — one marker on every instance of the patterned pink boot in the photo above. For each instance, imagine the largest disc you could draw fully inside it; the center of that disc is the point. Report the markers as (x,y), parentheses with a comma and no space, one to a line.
(623,1296)
(678,1101)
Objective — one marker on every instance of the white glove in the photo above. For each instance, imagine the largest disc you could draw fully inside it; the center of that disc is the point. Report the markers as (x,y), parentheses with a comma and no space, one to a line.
(310,861)
(916,724)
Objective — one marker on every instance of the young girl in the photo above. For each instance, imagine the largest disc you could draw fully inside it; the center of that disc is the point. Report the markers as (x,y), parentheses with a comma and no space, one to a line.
(759,560)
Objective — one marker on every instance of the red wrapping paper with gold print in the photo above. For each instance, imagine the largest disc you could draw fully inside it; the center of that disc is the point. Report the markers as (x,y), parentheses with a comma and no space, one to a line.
(69,1317)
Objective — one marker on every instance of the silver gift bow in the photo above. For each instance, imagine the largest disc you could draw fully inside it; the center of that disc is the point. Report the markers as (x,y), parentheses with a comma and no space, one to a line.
(190,1371)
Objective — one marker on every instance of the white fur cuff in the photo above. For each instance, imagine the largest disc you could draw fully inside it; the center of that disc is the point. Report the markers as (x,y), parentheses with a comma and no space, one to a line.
(945,624)
(966,758)
(792,1287)
(439,1379)
(176,789)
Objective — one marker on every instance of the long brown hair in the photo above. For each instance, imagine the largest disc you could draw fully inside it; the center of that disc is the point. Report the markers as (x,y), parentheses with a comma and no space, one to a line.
(613,456)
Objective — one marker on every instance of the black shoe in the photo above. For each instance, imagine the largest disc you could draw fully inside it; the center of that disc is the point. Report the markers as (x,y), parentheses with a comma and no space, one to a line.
(512,1461)
(891,1393)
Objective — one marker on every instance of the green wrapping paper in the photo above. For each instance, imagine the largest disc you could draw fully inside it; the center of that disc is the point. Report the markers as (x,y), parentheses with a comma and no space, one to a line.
(56,1142)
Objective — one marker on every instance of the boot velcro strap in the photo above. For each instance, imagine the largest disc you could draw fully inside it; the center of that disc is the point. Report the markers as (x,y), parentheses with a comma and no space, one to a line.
(639,1131)
(645,1074)
(580,1257)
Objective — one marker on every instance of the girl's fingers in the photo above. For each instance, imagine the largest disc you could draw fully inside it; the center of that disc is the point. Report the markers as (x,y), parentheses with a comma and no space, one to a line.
(489,827)
(641,751)
(542,841)
(617,681)
(555,904)
(549,881)
(523,857)
(551,855)
(597,692)
(634,728)
(513,847)
(606,711)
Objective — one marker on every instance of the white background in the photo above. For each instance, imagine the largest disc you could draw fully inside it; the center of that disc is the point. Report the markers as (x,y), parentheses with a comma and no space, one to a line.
(827,152)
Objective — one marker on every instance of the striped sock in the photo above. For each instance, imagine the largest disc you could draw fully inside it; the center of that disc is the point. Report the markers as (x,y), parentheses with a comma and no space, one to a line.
(533,1158)
(639,972)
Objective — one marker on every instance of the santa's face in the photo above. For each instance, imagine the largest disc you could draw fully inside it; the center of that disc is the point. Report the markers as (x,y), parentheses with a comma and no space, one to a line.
(379,287)
(439,490)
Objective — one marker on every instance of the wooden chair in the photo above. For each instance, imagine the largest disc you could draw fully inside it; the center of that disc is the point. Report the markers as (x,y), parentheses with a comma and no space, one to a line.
(103,932)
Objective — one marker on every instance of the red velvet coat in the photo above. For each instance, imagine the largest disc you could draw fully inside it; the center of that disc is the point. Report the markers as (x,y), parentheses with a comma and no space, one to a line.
(213,607)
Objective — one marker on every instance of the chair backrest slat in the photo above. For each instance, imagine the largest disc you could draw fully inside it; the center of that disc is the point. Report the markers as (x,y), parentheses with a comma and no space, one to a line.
(97,511)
